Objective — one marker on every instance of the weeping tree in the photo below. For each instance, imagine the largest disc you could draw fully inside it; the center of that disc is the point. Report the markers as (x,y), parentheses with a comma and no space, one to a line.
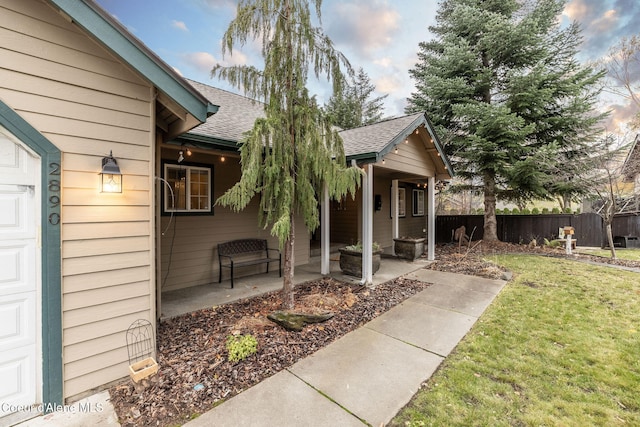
(292,153)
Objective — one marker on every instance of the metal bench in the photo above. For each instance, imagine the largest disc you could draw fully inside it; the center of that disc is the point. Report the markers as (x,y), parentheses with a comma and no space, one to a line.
(245,252)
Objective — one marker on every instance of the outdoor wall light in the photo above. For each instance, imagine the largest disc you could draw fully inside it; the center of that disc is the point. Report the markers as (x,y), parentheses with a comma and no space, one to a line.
(111,177)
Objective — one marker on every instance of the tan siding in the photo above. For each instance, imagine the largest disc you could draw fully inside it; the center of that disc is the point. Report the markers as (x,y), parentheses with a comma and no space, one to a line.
(344,220)
(382,232)
(96,379)
(105,311)
(73,214)
(84,248)
(88,103)
(412,158)
(92,297)
(99,231)
(109,262)
(99,362)
(89,331)
(73,110)
(99,279)
(192,240)
(76,94)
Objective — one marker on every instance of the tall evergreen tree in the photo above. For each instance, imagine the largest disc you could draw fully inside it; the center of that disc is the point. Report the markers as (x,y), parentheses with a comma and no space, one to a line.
(292,153)
(354,105)
(501,83)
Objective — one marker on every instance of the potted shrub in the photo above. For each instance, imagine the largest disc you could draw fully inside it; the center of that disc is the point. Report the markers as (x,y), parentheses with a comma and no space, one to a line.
(351,259)
(410,248)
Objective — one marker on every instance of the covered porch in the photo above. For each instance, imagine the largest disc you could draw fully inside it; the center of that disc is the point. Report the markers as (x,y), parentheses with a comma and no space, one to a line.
(187,300)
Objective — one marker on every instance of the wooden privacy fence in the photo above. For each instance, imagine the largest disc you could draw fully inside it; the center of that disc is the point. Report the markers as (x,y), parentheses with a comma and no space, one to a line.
(589,227)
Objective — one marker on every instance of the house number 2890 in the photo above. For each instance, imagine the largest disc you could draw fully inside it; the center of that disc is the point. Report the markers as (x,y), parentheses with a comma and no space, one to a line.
(53,190)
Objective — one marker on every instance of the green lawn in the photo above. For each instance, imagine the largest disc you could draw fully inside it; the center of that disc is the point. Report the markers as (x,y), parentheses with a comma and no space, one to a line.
(621,253)
(560,346)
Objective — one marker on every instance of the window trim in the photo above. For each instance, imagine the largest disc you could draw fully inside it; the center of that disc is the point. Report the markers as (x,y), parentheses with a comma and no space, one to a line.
(402,202)
(417,203)
(165,193)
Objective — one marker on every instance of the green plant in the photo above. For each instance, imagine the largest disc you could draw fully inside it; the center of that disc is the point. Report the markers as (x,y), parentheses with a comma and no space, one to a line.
(525,211)
(545,211)
(498,211)
(241,346)
(567,210)
(535,211)
(555,210)
(358,247)
(515,211)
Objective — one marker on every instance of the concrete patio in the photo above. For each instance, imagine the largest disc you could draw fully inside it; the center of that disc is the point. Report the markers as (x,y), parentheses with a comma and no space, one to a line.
(175,303)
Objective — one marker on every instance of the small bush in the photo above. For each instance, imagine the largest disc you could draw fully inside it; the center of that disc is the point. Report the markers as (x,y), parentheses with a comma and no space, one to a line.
(241,346)
(545,211)
(525,211)
(535,211)
(515,211)
(555,210)
(567,210)
(498,211)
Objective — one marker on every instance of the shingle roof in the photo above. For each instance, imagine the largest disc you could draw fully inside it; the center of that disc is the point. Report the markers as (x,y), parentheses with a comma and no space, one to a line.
(238,113)
(376,137)
(235,116)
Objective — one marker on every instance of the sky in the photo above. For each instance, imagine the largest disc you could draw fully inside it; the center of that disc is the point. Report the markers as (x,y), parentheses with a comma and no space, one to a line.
(380,36)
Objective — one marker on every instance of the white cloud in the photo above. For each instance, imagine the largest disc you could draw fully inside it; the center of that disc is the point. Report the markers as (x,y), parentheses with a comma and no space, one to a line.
(364,25)
(179,25)
(201,61)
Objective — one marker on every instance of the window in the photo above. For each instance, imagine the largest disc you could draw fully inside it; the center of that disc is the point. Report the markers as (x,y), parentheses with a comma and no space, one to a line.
(402,202)
(418,202)
(191,187)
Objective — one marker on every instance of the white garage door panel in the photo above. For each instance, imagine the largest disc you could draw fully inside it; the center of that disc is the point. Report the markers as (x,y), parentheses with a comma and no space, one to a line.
(15,165)
(15,328)
(17,371)
(19,277)
(15,274)
(16,212)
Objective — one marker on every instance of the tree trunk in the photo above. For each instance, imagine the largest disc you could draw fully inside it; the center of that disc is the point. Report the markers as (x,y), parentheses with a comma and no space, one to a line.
(490,223)
(610,239)
(287,285)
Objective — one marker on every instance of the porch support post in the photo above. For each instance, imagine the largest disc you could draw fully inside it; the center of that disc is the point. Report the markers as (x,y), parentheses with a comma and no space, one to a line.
(325,241)
(394,213)
(431,219)
(367,225)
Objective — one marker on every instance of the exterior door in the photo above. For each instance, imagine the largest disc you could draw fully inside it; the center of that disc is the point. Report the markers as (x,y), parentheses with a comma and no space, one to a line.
(19,278)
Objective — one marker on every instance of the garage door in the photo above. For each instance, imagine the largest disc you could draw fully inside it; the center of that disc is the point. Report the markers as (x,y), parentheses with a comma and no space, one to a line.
(19,277)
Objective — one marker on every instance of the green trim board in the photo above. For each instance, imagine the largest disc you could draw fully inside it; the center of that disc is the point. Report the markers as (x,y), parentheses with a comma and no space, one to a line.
(52,373)
(97,22)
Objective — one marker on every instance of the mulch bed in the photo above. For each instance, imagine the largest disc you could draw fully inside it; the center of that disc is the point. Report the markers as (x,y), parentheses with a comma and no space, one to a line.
(195,374)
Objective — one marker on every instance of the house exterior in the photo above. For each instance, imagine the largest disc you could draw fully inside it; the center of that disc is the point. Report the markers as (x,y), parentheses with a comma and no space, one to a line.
(79,265)
(403,155)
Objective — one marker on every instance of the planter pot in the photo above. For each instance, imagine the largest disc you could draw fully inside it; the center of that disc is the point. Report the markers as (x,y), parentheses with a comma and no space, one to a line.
(351,262)
(408,248)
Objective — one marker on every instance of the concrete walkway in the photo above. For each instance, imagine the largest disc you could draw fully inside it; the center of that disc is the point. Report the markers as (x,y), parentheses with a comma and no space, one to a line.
(365,377)
(368,375)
